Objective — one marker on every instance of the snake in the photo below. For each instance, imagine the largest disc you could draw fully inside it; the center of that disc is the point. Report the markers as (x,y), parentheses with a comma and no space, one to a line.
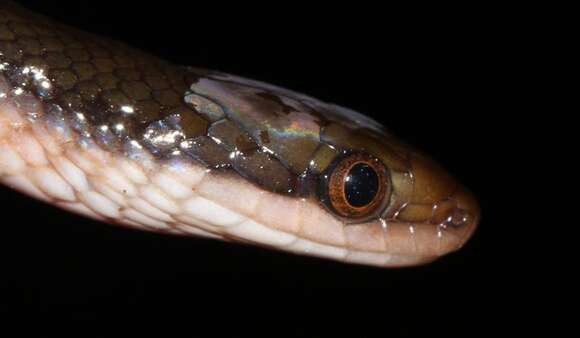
(98,128)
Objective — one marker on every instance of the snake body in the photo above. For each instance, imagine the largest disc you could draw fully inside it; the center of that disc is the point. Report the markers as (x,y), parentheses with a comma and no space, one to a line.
(107,131)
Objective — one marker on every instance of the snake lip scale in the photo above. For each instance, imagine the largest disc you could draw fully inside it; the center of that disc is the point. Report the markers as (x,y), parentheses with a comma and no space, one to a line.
(101,129)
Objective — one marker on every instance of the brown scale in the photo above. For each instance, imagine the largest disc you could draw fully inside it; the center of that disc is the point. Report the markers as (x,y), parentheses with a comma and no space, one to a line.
(251,162)
(95,76)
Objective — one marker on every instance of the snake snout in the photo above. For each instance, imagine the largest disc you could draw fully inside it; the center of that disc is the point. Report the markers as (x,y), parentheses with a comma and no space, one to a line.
(456,220)
(463,220)
(454,211)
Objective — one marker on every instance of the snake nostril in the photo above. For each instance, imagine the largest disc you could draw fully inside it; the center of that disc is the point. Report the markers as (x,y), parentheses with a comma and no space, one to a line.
(458,218)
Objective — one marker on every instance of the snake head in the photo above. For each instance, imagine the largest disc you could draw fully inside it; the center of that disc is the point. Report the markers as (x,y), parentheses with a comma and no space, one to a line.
(365,196)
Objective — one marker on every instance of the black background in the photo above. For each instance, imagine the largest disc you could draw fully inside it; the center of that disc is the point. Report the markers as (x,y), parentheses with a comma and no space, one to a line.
(432,77)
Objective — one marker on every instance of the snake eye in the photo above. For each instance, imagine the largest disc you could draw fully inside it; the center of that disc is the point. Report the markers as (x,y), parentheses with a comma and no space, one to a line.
(357,186)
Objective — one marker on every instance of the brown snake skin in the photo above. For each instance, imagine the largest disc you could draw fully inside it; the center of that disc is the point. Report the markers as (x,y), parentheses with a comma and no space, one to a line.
(99,128)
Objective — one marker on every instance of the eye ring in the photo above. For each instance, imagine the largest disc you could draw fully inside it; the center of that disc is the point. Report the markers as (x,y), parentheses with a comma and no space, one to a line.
(357,186)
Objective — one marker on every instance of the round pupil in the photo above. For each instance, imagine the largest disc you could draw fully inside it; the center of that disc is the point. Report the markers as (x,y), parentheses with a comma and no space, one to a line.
(361,185)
